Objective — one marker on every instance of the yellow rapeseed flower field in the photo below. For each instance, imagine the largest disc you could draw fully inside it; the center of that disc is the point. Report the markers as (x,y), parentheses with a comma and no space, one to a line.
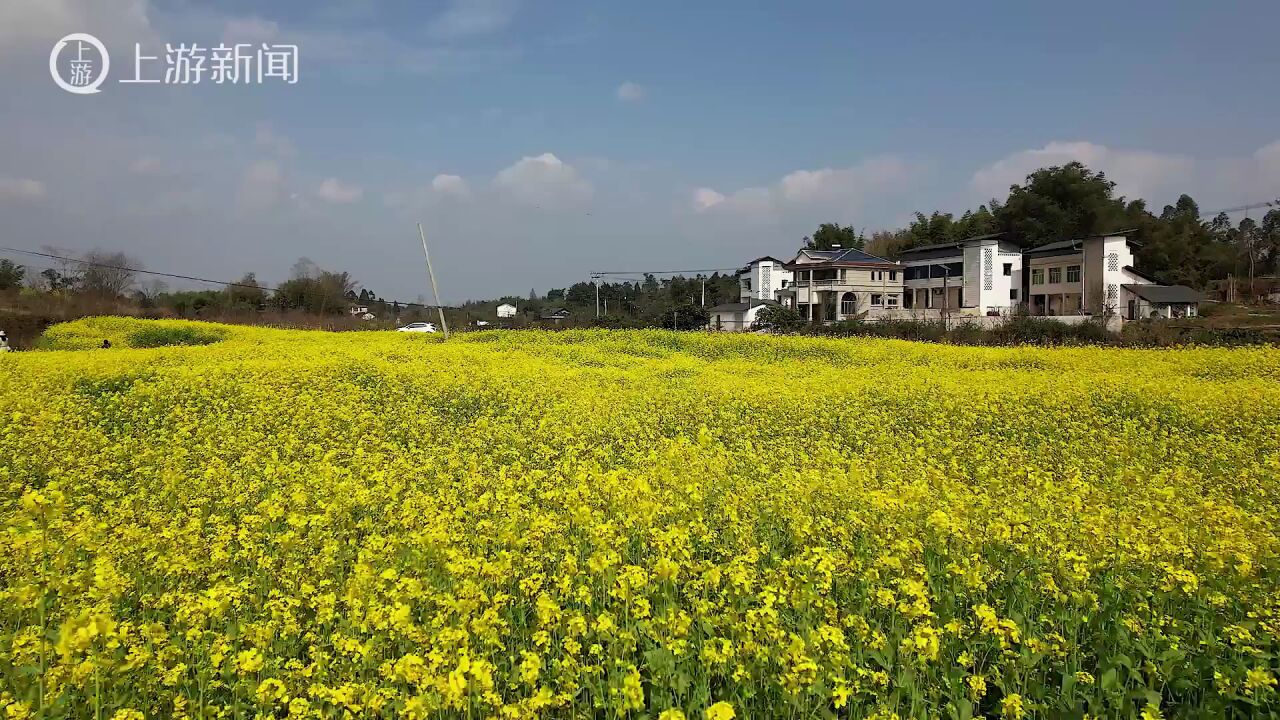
(633,525)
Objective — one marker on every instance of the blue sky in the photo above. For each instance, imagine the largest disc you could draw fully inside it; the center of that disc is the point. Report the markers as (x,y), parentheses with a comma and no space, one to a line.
(540,141)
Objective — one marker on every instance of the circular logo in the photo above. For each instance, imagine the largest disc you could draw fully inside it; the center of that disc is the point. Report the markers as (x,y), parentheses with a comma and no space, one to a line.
(84,73)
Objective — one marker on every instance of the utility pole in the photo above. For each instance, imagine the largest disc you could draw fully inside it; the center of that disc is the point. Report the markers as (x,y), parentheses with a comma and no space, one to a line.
(946,297)
(435,292)
(704,292)
(595,280)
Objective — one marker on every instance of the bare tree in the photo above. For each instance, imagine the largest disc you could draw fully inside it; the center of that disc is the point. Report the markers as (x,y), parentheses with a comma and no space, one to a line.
(105,273)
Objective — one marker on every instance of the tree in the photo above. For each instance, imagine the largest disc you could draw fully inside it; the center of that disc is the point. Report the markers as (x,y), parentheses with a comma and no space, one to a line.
(109,274)
(831,235)
(56,281)
(246,292)
(315,290)
(1059,203)
(778,319)
(11,275)
(888,243)
(685,316)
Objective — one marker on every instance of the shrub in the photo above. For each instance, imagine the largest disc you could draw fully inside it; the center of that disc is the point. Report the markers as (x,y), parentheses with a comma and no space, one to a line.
(166,335)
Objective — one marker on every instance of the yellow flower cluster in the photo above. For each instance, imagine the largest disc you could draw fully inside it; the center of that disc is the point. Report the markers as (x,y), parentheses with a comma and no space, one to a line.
(633,524)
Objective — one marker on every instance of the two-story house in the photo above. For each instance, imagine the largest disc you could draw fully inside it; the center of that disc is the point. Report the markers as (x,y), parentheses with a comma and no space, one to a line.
(1084,276)
(838,284)
(978,276)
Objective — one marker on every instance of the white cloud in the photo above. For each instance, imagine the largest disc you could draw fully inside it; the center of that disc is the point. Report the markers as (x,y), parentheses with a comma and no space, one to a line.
(544,181)
(468,18)
(630,92)
(1137,173)
(21,189)
(249,30)
(840,190)
(261,187)
(450,185)
(335,191)
(706,198)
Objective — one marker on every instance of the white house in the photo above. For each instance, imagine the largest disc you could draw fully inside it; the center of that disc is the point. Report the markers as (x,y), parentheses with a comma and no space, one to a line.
(762,278)
(737,317)
(978,276)
(506,310)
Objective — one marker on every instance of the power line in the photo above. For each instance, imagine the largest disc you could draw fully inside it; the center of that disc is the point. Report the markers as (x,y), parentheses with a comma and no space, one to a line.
(1244,208)
(176,276)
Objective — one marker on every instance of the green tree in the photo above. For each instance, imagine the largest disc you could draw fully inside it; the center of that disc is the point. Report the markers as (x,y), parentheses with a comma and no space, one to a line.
(11,275)
(1059,203)
(831,235)
(246,292)
(778,319)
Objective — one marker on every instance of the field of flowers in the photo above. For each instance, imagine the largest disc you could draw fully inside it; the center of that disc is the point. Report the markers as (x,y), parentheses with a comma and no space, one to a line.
(213,521)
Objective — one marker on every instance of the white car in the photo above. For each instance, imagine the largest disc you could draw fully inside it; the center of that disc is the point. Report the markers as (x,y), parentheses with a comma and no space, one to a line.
(418,327)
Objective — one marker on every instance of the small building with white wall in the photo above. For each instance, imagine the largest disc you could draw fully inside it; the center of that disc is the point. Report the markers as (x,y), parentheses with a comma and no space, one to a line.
(506,310)
(737,317)
(762,278)
(1161,301)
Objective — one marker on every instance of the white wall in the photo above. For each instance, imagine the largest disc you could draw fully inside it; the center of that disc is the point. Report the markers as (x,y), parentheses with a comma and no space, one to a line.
(766,278)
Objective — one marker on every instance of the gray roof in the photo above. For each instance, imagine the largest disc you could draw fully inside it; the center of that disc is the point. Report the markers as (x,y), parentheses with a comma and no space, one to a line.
(850,255)
(1074,243)
(947,245)
(1139,273)
(741,306)
(1165,293)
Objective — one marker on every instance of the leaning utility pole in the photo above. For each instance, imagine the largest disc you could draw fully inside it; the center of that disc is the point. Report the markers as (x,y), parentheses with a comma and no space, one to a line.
(435,292)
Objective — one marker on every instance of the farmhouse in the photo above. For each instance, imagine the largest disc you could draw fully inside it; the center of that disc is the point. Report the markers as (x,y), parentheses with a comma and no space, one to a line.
(838,284)
(987,275)
(981,275)
(506,310)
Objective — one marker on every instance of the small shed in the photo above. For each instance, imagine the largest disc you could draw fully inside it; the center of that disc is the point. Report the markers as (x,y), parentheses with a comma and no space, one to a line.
(737,317)
(506,310)
(1162,301)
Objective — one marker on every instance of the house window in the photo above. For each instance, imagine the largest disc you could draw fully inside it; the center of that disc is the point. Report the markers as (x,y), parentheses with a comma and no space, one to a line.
(1008,269)
(937,291)
(877,300)
(746,285)
(786,283)
(1073,273)
(1013,294)
(891,300)
(1037,276)
(893,275)
(876,275)
(1055,275)
(848,304)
